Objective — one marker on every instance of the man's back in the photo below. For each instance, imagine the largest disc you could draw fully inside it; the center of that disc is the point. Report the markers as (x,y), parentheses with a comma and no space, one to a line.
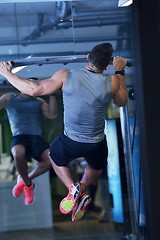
(86,96)
(24,115)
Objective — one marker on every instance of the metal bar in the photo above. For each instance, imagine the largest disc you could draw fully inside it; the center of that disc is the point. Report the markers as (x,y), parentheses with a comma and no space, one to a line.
(129,171)
(48,60)
(95,22)
(125,53)
(105,12)
(55,60)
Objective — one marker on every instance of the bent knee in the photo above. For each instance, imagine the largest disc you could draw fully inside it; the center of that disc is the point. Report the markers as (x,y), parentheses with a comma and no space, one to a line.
(18,154)
(60,162)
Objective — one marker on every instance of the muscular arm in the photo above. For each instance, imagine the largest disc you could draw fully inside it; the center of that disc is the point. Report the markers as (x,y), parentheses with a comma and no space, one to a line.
(119,89)
(4,100)
(49,110)
(30,87)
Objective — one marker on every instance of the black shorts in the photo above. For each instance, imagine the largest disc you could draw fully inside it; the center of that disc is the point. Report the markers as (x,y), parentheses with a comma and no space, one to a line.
(63,150)
(34,144)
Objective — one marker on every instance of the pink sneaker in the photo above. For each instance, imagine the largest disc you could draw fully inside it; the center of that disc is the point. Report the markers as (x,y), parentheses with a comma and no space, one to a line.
(80,207)
(29,194)
(67,204)
(18,188)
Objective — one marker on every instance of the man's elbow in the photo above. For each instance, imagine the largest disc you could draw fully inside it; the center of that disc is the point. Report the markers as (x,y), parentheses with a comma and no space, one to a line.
(121,103)
(53,116)
(35,89)
(124,100)
(32,94)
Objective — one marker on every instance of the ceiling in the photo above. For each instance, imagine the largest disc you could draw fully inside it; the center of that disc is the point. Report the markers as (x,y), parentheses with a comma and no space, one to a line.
(61,28)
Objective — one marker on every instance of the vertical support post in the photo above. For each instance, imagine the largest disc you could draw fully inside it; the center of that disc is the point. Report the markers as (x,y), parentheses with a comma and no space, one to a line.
(129,172)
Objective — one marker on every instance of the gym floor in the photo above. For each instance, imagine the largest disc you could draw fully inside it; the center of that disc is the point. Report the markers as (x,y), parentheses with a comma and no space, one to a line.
(63,229)
(89,228)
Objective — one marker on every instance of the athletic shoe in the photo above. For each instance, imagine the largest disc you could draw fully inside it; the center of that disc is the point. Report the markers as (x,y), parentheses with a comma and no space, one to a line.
(18,188)
(67,204)
(80,207)
(29,194)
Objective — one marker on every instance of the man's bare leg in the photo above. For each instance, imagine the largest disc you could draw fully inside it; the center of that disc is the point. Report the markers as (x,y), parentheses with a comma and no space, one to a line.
(43,166)
(18,152)
(64,174)
(89,176)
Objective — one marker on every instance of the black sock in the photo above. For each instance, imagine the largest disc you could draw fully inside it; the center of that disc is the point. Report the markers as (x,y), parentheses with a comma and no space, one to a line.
(29,184)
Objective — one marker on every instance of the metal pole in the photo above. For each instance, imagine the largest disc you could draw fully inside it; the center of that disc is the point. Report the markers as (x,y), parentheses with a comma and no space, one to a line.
(129,172)
(55,60)
(48,60)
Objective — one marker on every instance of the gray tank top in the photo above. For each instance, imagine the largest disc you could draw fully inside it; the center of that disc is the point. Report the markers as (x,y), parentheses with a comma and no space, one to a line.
(86,96)
(24,115)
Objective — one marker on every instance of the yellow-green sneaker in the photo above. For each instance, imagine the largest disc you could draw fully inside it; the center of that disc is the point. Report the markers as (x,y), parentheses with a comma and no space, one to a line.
(80,207)
(67,204)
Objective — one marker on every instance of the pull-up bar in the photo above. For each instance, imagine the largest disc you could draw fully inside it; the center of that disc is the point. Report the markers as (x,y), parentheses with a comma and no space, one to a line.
(55,60)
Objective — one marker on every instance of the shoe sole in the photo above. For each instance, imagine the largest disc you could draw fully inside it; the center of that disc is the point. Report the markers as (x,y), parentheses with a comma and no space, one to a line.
(27,204)
(18,179)
(67,204)
(81,209)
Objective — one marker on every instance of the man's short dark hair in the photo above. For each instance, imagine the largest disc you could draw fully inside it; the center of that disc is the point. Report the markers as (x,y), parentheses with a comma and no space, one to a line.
(100,55)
